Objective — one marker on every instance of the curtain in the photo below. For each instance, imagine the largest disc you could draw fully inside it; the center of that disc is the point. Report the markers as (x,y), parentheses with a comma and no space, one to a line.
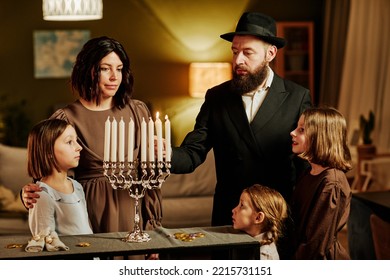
(365,83)
(334,40)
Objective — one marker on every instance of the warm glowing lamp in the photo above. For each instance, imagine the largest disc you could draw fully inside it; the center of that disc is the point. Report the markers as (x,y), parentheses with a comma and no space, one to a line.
(204,75)
(67,10)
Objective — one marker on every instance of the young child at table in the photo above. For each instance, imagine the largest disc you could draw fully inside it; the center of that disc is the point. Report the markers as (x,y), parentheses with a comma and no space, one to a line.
(261,213)
(321,200)
(52,150)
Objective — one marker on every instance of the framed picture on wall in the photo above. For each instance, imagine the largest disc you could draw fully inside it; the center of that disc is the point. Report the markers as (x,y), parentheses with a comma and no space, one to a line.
(55,51)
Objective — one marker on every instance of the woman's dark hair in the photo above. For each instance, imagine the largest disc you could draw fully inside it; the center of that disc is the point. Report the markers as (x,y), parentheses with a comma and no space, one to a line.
(85,74)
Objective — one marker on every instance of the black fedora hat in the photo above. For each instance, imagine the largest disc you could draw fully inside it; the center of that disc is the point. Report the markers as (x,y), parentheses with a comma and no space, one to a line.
(259,25)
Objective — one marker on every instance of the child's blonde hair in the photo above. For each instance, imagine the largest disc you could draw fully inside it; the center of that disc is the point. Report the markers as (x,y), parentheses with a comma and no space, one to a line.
(326,134)
(274,207)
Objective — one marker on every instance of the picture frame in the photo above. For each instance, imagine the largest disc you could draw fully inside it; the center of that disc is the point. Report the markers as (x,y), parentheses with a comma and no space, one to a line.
(55,51)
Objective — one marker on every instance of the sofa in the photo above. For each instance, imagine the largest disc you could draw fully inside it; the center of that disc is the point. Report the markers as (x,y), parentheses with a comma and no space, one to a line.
(187,198)
(13,175)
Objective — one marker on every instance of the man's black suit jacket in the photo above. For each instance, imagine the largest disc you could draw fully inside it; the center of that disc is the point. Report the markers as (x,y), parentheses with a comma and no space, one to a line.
(245,153)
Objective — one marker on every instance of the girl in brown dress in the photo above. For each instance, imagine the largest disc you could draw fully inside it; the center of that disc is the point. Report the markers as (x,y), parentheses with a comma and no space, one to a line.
(321,200)
(103,79)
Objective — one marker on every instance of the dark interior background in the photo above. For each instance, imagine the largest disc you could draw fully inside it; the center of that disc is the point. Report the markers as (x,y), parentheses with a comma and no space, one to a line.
(159,58)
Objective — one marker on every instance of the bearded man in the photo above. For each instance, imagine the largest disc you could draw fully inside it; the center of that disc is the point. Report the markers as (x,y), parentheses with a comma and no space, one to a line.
(247,121)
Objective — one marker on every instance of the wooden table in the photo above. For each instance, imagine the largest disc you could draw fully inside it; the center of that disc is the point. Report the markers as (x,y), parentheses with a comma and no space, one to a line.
(233,244)
(363,205)
(379,202)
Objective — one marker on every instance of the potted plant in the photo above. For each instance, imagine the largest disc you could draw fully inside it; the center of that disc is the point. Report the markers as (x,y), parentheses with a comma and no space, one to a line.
(366,150)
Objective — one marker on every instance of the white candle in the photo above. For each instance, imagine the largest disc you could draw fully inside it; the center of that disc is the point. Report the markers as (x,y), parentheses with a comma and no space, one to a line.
(114,131)
(159,138)
(167,139)
(151,140)
(130,151)
(121,140)
(107,135)
(143,140)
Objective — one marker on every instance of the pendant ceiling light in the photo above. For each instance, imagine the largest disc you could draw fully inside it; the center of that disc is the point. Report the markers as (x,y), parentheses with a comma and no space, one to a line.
(67,10)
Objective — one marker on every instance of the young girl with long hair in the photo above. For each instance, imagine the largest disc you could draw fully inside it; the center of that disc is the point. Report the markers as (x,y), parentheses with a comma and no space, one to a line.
(321,200)
(61,210)
(260,213)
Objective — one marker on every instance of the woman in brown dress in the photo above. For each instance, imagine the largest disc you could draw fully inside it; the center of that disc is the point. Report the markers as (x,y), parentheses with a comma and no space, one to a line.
(321,200)
(103,79)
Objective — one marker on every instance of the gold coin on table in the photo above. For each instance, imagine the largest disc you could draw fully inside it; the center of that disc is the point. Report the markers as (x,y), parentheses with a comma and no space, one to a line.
(83,244)
(188,239)
(13,246)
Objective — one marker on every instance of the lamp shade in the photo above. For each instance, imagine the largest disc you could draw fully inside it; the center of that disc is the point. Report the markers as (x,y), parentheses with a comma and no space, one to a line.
(204,75)
(72,10)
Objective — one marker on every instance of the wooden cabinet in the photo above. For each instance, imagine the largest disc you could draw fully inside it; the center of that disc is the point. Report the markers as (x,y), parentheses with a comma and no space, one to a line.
(295,61)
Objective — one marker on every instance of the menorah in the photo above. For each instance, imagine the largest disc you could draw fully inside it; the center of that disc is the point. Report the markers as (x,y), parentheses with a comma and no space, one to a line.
(136,176)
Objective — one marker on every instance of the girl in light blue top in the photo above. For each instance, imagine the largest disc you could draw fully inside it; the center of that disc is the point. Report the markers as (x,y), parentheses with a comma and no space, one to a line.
(53,150)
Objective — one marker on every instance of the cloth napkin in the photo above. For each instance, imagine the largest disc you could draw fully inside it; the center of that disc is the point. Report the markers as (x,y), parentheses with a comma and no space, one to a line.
(53,243)
(36,244)
(46,239)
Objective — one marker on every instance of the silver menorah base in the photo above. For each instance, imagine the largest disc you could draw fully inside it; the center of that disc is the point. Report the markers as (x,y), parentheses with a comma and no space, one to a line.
(136,178)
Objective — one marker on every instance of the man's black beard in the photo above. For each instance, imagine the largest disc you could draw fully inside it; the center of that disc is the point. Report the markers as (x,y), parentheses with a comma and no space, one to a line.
(246,83)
